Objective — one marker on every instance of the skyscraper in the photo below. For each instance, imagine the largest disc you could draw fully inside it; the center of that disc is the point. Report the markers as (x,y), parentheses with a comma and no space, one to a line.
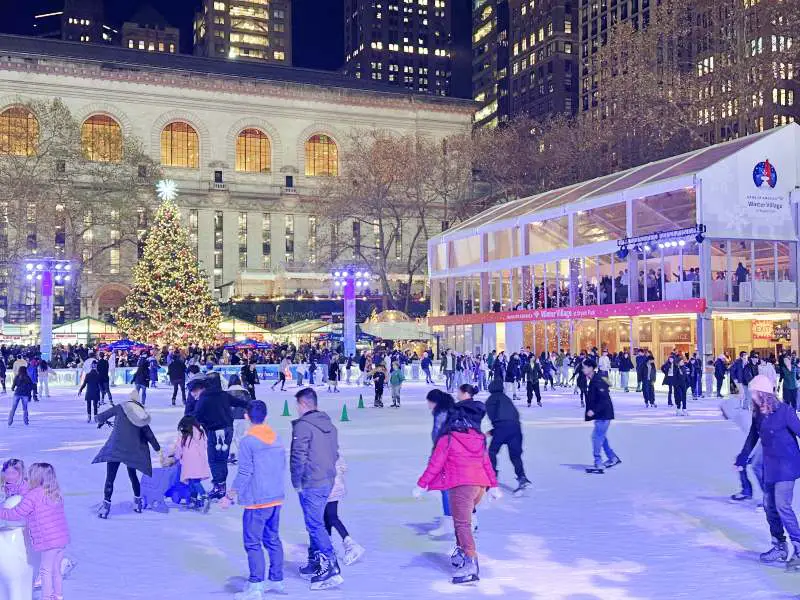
(148,30)
(406,43)
(245,29)
(74,21)
(490,62)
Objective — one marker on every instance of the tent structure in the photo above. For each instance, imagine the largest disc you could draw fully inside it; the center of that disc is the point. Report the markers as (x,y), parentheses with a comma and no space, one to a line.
(395,325)
(239,329)
(305,327)
(85,331)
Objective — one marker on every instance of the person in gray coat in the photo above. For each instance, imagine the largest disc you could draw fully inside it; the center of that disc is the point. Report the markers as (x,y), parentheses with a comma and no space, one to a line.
(126,445)
(315,450)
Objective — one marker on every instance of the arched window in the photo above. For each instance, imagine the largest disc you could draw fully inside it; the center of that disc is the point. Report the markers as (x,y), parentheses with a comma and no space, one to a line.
(101,139)
(322,156)
(253,152)
(180,146)
(19,131)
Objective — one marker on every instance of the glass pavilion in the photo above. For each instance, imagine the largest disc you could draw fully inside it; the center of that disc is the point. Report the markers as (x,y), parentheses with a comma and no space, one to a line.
(696,252)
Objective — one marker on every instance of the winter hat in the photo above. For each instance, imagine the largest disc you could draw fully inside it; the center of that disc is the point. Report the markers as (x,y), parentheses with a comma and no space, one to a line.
(760,383)
(590,363)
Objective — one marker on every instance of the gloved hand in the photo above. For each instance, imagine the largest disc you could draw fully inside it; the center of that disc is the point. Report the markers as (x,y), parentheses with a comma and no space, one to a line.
(495,493)
(418,492)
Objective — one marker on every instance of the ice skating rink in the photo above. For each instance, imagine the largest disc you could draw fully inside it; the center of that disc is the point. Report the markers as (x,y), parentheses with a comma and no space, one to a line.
(658,526)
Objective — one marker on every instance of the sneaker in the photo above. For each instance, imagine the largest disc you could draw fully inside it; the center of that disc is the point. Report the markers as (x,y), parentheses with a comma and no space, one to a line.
(252,591)
(352,551)
(778,553)
(328,574)
(445,528)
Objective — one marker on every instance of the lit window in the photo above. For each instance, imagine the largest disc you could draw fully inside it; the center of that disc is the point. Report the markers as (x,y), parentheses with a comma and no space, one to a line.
(180,146)
(322,156)
(289,254)
(279,55)
(253,152)
(130,43)
(172,48)
(19,131)
(141,44)
(101,139)
(151,46)
(160,46)
(219,6)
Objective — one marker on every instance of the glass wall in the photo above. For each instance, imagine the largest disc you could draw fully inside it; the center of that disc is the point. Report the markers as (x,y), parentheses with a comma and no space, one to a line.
(600,224)
(664,212)
(753,273)
(549,235)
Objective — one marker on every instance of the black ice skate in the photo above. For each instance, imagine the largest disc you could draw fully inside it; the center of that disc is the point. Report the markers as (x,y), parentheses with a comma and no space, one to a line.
(104,509)
(740,497)
(138,504)
(311,567)
(612,462)
(218,491)
(328,574)
(468,573)
(597,469)
(522,485)
(778,553)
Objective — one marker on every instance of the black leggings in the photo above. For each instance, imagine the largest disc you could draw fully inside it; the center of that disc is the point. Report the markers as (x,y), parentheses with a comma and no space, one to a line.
(332,519)
(91,404)
(111,476)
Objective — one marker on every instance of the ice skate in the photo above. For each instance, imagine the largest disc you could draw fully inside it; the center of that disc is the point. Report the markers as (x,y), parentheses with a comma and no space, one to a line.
(612,462)
(457,557)
(352,551)
(468,572)
(445,528)
(793,564)
(138,504)
(104,509)
(217,492)
(778,553)
(252,591)
(328,574)
(311,566)
(522,485)
(740,497)
(597,469)
(276,587)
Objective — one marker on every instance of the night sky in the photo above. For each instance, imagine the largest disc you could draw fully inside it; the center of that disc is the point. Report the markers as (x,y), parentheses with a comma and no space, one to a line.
(318,39)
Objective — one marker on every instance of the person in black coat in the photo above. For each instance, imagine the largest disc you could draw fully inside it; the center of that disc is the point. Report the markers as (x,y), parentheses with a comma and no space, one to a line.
(720,368)
(681,381)
(668,368)
(141,379)
(513,375)
(533,373)
(625,366)
(176,371)
(599,409)
(126,445)
(249,376)
(647,378)
(91,382)
(3,373)
(103,378)
(213,412)
(506,429)
(641,363)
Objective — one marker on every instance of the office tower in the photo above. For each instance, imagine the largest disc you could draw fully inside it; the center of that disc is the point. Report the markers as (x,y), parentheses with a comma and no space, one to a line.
(245,29)
(490,64)
(148,30)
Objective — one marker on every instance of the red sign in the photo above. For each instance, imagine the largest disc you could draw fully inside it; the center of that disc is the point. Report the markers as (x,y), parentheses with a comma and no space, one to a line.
(763,330)
(603,311)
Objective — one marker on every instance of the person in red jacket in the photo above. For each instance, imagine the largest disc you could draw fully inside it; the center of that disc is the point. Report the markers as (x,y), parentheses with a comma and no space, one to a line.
(460,464)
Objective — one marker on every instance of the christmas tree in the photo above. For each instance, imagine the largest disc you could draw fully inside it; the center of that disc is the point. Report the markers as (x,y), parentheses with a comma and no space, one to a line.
(170,303)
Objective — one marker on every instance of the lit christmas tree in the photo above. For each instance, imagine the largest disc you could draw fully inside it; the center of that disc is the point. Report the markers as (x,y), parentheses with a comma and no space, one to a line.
(170,303)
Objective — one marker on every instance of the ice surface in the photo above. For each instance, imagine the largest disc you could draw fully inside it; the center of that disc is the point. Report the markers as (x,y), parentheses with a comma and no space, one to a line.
(658,526)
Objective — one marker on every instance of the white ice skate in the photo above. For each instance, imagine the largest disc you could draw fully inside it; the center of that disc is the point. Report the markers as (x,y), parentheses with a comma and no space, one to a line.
(253,591)
(445,528)
(352,551)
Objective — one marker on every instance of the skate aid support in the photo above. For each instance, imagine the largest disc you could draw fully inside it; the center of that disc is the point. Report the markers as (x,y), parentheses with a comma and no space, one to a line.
(16,573)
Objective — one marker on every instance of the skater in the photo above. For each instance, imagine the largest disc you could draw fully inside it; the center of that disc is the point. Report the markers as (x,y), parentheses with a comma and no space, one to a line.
(580,381)
(599,409)
(92,384)
(720,368)
(648,381)
(449,367)
(789,377)
(378,380)
(43,372)
(749,371)
(625,368)
(315,450)
(249,377)
(33,373)
(126,445)
(283,368)
(259,488)
(731,411)
(426,364)
(513,375)
(105,382)
(190,450)
(776,424)
(396,380)
(3,373)
(348,367)
(680,384)
(668,368)
(440,403)
(352,549)
(506,429)
(240,424)
(176,371)
(141,379)
(152,369)
(460,464)
(42,509)
(532,373)
(333,374)
(22,387)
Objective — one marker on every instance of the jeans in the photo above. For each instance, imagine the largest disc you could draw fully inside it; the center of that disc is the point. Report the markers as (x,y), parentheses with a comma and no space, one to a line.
(600,441)
(757,464)
(511,436)
(142,391)
(448,380)
(778,508)
(218,459)
(260,527)
(428,378)
(50,572)
(649,393)
(196,488)
(463,501)
(623,380)
(44,386)
(17,400)
(332,520)
(747,399)
(446,504)
(182,385)
(313,502)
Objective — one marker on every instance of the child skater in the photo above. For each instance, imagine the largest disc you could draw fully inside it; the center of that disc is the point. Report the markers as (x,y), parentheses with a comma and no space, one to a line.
(191,449)
(42,509)
(379,379)
(352,550)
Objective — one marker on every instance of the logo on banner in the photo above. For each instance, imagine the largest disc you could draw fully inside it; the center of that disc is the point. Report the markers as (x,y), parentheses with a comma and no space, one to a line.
(765,173)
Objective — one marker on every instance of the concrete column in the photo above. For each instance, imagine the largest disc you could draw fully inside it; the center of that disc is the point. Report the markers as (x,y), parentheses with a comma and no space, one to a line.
(513,337)
(489,337)
(705,342)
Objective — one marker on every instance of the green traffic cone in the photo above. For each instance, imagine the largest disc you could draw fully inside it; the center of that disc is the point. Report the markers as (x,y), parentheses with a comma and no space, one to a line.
(344,418)
(360,401)
(286,412)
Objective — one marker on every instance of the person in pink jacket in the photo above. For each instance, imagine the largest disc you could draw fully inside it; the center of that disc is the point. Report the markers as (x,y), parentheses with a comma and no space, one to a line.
(460,464)
(42,509)
(191,449)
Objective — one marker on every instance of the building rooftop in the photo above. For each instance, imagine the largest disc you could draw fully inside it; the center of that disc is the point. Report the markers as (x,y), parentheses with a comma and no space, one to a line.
(119,60)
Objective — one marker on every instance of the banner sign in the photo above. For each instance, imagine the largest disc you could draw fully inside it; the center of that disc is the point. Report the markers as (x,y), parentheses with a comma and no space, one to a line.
(763,330)
(603,311)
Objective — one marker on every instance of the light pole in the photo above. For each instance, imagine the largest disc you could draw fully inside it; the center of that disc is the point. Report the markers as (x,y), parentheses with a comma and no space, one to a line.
(47,271)
(349,280)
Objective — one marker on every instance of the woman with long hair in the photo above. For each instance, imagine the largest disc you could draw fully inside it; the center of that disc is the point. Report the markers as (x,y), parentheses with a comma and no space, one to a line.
(440,403)
(777,426)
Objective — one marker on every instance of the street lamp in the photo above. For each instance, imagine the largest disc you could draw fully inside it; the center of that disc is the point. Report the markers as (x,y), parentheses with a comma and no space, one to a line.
(47,270)
(348,280)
